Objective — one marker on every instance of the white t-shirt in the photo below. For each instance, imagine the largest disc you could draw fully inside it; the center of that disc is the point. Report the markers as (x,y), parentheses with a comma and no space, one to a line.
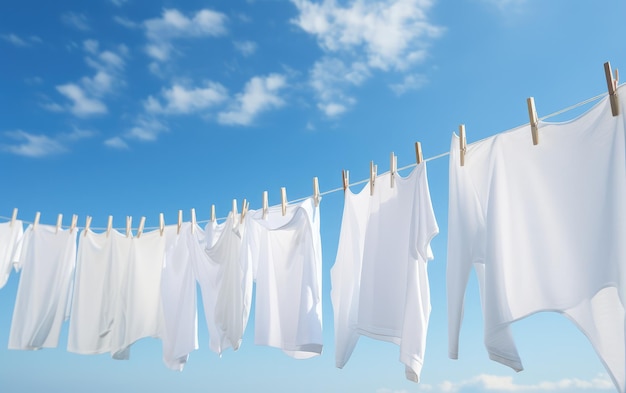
(10,247)
(379,283)
(285,255)
(544,227)
(139,313)
(42,302)
(96,288)
(178,294)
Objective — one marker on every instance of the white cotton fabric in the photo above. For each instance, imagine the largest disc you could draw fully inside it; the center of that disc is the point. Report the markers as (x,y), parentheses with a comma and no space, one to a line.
(379,282)
(285,255)
(10,247)
(139,313)
(101,262)
(178,294)
(544,228)
(42,303)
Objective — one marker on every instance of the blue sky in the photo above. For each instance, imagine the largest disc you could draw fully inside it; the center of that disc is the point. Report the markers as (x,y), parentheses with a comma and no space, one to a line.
(130,107)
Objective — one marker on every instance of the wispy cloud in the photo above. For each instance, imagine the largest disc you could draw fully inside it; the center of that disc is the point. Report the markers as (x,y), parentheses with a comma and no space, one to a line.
(410,82)
(330,78)
(119,3)
(184,100)
(39,145)
(364,36)
(21,41)
(146,129)
(87,95)
(175,25)
(506,5)
(76,20)
(495,383)
(116,143)
(129,24)
(246,48)
(260,94)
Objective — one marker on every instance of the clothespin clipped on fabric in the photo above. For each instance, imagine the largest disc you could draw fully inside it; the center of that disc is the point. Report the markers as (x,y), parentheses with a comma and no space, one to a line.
(180,222)
(74,222)
(244,209)
(418,153)
(129,223)
(316,191)
(611,83)
(283,200)
(373,170)
(36,222)
(193,220)
(234,208)
(345,179)
(87,225)
(59,222)
(212,213)
(109,225)
(265,205)
(534,120)
(14,216)
(462,144)
(393,168)
(142,222)
(161,224)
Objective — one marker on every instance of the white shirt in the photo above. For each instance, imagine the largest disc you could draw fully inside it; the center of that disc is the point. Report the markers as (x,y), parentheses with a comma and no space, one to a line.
(379,283)
(544,227)
(178,294)
(285,255)
(10,247)
(42,302)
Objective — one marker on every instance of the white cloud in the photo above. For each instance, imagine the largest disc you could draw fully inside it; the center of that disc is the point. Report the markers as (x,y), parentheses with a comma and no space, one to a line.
(76,20)
(260,94)
(119,3)
(506,5)
(173,25)
(497,383)
(33,81)
(246,48)
(19,41)
(116,143)
(31,145)
(410,82)
(91,46)
(390,32)
(82,105)
(330,77)
(123,21)
(182,100)
(146,129)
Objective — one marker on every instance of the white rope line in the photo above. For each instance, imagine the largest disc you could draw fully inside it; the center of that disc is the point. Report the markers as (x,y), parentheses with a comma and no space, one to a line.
(559,112)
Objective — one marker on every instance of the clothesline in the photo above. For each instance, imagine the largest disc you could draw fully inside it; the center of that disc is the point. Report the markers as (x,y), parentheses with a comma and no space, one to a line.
(559,112)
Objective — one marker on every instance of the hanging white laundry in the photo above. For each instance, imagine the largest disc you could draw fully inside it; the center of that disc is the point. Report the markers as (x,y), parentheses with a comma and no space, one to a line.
(139,313)
(233,291)
(42,303)
(102,260)
(544,227)
(379,283)
(285,255)
(10,248)
(178,294)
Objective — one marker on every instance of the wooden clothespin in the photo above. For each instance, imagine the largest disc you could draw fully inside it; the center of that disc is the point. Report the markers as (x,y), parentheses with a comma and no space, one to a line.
(373,170)
(283,200)
(74,222)
(129,223)
(345,178)
(265,205)
(142,222)
(14,216)
(234,208)
(87,225)
(59,222)
(418,153)
(611,83)
(161,224)
(36,222)
(180,222)
(109,225)
(193,220)
(244,210)
(393,168)
(316,191)
(534,120)
(462,143)
(212,213)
